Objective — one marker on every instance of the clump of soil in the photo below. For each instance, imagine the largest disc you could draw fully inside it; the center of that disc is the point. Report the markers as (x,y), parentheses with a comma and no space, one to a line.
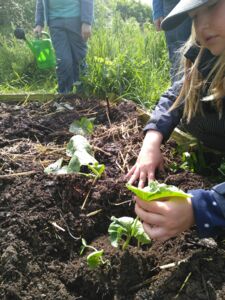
(42,220)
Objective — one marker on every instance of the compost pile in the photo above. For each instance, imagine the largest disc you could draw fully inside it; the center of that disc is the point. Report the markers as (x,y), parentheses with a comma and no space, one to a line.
(43,217)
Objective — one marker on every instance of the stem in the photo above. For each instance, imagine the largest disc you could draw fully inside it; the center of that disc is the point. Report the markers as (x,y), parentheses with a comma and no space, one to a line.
(126,243)
(134,226)
(138,245)
(91,247)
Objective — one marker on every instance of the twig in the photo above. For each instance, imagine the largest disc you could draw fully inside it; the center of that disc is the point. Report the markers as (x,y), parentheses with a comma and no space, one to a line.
(17,174)
(183,284)
(171,265)
(124,160)
(57,226)
(108,113)
(99,149)
(121,203)
(86,198)
(119,166)
(67,227)
(93,213)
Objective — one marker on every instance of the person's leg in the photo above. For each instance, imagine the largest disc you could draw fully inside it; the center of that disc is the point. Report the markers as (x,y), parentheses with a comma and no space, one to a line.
(175,39)
(78,46)
(208,129)
(64,57)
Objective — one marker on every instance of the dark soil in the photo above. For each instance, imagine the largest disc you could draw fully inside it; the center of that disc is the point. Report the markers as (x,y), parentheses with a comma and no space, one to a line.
(41,220)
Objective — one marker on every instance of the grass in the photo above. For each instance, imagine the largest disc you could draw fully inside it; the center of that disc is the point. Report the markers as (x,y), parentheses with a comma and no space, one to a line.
(125,60)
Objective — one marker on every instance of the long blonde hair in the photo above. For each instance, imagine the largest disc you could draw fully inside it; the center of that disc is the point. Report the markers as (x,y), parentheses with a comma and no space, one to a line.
(194,83)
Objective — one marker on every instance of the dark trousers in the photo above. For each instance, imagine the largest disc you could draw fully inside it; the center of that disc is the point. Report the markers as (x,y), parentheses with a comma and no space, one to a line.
(70,51)
(175,39)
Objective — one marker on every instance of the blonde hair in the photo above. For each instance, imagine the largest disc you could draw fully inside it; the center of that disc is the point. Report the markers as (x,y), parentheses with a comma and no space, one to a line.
(194,83)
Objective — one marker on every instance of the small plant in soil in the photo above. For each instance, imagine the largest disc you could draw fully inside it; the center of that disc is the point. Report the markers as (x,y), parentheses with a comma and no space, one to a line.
(222,167)
(94,259)
(127,227)
(156,190)
(80,152)
(83,126)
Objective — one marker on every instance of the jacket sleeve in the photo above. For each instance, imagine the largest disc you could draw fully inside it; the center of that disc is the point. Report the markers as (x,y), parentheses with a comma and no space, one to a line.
(157,9)
(87,11)
(162,119)
(209,210)
(39,13)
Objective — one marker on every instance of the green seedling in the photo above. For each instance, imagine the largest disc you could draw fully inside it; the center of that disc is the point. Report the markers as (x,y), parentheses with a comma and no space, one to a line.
(94,259)
(126,227)
(221,168)
(80,152)
(83,126)
(189,161)
(156,190)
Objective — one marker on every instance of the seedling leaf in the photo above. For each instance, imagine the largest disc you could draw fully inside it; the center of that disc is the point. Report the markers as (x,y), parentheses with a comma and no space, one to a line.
(126,227)
(157,190)
(97,169)
(94,259)
(83,126)
(55,167)
(77,143)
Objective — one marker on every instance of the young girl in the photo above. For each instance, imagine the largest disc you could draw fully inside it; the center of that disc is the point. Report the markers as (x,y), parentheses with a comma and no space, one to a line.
(197,101)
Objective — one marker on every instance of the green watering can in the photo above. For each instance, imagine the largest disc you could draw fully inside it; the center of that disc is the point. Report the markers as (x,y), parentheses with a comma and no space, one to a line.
(41,48)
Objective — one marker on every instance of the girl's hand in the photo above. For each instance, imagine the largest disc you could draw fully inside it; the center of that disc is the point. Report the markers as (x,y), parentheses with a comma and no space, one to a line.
(165,219)
(149,159)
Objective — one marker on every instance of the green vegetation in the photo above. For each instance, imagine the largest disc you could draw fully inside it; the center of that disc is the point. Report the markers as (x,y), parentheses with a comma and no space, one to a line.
(126,58)
(155,191)
(222,167)
(95,258)
(129,228)
(80,152)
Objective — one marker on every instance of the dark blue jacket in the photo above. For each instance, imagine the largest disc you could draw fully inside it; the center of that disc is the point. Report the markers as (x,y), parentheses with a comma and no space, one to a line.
(208,205)
(86,14)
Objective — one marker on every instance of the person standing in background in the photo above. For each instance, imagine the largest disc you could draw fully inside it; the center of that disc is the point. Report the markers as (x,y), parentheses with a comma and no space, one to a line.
(175,38)
(69,23)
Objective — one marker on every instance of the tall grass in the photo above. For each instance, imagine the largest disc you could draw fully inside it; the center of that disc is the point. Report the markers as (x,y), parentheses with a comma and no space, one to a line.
(18,70)
(125,60)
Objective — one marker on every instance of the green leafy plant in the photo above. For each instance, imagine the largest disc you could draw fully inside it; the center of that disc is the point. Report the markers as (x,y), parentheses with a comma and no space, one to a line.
(221,168)
(83,126)
(94,259)
(126,227)
(156,190)
(80,152)
(189,161)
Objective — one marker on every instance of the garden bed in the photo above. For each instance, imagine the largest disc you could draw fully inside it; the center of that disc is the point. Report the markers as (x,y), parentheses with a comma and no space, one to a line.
(42,220)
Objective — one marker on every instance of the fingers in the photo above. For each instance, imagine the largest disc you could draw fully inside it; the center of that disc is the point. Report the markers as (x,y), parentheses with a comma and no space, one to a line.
(142,180)
(156,207)
(151,175)
(133,174)
(157,233)
(143,175)
(148,217)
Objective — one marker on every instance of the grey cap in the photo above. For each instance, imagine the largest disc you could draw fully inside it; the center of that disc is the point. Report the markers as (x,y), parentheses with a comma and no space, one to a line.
(180,12)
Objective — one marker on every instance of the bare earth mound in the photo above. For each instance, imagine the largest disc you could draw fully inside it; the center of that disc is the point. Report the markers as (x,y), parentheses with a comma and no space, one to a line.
(41,220)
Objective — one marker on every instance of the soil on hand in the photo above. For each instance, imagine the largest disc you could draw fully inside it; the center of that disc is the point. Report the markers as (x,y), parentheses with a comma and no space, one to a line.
(43,217)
